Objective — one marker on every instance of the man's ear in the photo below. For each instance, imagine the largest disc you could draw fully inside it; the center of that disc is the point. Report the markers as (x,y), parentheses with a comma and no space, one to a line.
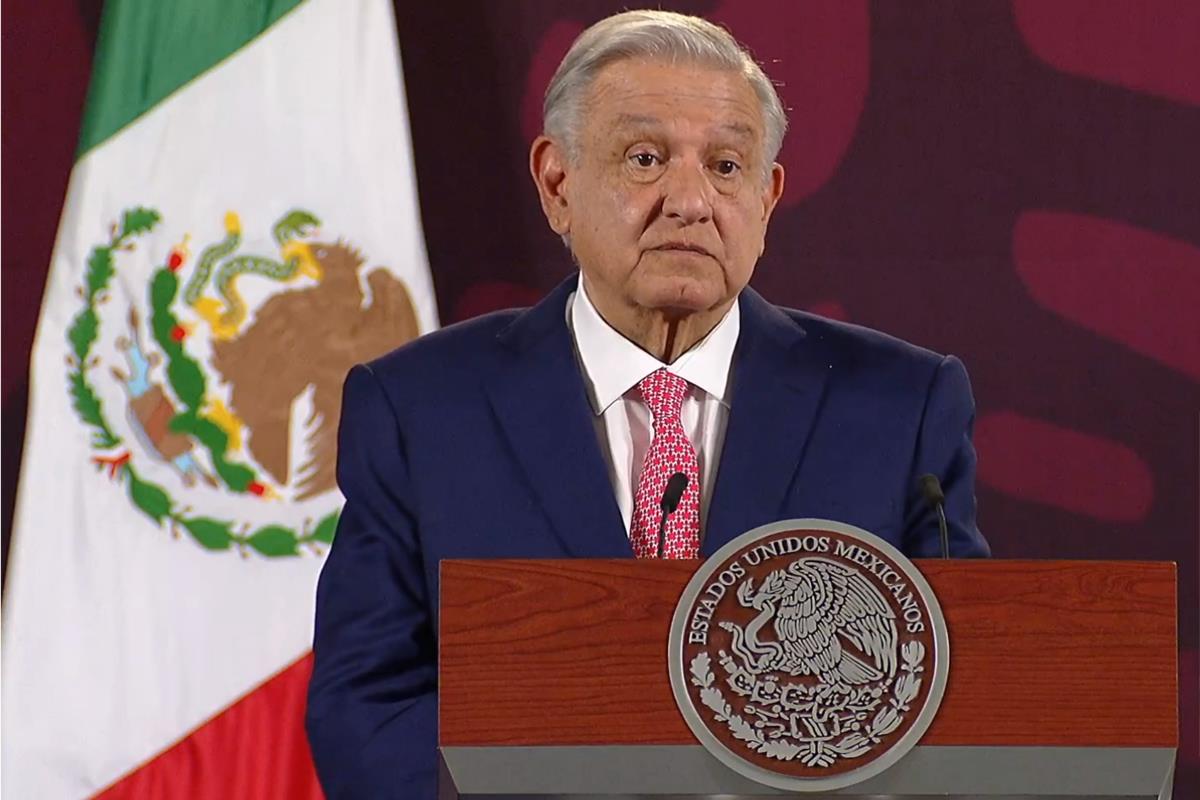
(548,167)
(773,191)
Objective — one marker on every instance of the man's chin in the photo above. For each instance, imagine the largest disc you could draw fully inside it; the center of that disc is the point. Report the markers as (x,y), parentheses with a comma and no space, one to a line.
(681,298)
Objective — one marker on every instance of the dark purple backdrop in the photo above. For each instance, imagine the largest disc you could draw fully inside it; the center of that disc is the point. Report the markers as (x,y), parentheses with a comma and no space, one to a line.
(1014,182)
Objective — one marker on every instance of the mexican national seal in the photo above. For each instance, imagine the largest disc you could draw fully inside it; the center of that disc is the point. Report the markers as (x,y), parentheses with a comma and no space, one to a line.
(808,655)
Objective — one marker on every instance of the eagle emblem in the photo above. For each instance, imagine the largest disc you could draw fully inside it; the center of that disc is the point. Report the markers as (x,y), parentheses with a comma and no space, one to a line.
(828,622)
(811,652)
(229,368)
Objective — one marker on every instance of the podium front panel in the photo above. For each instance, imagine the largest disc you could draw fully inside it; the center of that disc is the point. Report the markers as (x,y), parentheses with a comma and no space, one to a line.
(1062,683)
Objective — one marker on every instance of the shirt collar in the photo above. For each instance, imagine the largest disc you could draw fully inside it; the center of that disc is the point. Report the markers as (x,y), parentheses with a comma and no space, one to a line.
(612,365)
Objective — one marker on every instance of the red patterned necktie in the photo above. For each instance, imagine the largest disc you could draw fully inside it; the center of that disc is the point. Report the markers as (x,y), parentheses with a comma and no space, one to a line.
(670,451)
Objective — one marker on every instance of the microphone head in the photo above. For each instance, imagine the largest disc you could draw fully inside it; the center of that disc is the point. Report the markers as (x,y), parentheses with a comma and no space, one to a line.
(676,485)
(931,488)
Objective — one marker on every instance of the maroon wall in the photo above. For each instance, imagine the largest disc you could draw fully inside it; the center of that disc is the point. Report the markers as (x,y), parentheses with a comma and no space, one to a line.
(47,53)
(1014,182)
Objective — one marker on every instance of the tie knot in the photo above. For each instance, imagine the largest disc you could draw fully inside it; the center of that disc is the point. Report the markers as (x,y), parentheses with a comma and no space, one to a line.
(663,393)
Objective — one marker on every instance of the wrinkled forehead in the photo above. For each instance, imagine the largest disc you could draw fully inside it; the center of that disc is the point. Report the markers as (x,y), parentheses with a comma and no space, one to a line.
(658,97)
(632,124)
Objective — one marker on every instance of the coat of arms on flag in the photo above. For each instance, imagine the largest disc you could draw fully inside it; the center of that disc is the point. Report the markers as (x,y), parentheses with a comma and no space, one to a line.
(205,397)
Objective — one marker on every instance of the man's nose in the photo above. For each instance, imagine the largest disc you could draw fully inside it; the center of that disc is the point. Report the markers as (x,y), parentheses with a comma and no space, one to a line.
(686,191)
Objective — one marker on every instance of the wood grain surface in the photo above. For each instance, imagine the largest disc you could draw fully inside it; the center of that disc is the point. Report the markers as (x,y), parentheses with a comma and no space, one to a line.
(571,652)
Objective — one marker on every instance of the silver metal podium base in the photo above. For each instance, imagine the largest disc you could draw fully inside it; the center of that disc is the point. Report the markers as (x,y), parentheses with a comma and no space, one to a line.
(681,772)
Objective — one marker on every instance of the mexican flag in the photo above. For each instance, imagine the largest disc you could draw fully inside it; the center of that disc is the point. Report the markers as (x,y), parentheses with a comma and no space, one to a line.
(241,227)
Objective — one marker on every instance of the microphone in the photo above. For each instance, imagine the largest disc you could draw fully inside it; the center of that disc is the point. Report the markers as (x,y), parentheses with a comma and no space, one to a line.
(676,485)
(931,488)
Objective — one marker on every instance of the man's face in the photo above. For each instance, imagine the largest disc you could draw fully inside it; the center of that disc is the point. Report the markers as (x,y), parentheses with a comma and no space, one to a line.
(666,205)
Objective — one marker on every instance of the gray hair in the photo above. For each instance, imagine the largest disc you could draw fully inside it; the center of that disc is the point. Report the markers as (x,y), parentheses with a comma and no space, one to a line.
(655,35)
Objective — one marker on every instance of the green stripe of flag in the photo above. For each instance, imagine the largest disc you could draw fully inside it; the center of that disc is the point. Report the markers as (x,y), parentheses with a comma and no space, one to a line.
(147,49)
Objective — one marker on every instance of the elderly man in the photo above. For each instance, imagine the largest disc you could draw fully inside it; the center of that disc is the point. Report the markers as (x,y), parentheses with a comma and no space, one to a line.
(552,432)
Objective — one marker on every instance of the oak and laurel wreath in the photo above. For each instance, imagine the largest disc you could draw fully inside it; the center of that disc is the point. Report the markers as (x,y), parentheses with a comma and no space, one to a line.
(852,745)
(188,383)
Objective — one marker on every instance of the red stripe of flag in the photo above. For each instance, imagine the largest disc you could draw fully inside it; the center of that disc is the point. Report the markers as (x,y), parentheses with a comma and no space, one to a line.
(254,750)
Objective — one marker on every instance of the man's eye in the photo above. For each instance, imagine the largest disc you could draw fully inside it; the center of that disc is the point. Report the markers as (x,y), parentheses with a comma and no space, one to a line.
(726,167)
(645,160)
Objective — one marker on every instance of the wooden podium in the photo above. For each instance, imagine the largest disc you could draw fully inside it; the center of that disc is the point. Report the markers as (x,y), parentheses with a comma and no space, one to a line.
(554,683)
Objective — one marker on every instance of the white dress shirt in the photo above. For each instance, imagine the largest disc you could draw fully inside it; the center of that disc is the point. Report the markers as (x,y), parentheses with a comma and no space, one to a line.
(612,368)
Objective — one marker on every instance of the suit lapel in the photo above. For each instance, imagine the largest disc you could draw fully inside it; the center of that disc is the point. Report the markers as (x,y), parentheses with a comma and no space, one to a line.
(541,405)
(778,383)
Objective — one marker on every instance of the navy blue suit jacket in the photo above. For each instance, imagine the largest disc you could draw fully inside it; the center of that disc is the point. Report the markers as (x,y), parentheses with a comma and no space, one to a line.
(477,441)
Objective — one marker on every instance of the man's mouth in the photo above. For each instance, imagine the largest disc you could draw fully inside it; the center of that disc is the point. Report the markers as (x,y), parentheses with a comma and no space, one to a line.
(683,247)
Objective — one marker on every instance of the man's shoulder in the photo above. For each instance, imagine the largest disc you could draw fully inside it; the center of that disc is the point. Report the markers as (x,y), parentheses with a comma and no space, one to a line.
(464,347)
(860,343)
(868,372)
(865,360)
